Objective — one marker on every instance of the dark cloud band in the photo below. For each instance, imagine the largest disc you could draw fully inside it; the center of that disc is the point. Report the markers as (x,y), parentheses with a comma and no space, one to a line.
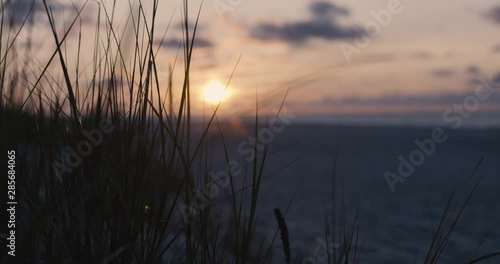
(322,25)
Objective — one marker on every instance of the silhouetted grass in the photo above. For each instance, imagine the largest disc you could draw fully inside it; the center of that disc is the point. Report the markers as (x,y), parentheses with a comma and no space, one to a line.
(140,195)
(123,202)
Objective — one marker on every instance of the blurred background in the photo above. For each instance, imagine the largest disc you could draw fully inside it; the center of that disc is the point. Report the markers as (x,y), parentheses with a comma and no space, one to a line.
(361,80)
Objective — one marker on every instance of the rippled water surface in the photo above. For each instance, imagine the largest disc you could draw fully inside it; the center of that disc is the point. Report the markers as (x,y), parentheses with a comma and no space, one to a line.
(394,227)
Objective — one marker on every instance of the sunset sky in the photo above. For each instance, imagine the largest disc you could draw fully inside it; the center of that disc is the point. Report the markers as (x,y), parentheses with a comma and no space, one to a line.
(426,58)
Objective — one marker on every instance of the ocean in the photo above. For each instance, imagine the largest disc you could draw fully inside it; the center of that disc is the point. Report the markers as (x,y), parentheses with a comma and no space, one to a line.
(337,174)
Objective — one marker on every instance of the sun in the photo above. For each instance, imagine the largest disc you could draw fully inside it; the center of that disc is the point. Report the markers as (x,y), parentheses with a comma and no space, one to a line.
(215,92)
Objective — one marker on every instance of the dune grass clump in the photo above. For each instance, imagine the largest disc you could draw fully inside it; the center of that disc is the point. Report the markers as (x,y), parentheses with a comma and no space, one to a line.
(119,199)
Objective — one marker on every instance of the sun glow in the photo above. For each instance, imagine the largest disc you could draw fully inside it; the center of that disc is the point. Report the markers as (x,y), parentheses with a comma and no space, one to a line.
(215,92)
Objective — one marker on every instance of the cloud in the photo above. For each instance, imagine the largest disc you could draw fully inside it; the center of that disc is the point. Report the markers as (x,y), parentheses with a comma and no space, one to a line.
(322,25)
(326,9)
(494,14)
(444,98)
(301,31)
(473,69)
(191,26)
(174,43)
(20,10)
(496,49)
(496,79)
(443,73)
(478,80)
